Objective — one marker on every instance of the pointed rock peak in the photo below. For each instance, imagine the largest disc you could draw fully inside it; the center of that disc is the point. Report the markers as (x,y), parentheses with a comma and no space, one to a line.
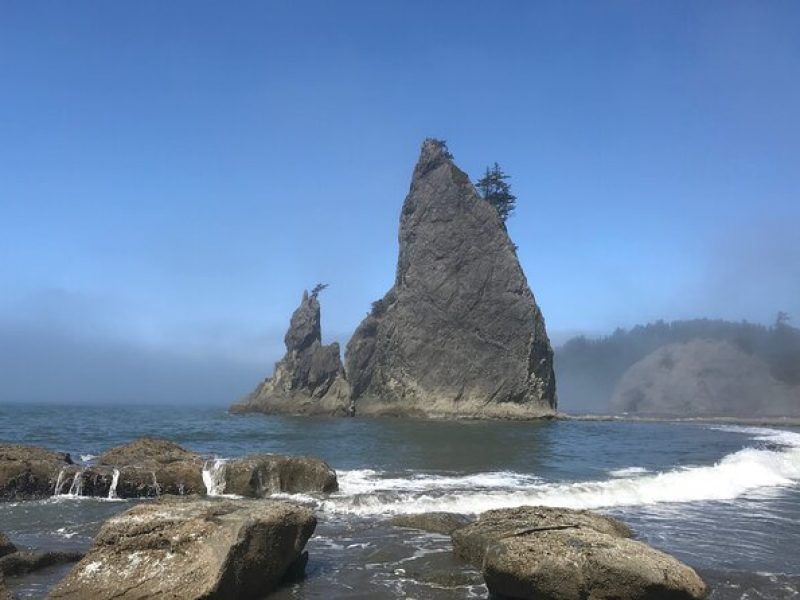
(304,328)
(433,154)
(460,333)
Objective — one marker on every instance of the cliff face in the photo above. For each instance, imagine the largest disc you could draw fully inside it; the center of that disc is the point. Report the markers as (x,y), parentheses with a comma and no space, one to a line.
(704,377)
(459,334)
(309,379)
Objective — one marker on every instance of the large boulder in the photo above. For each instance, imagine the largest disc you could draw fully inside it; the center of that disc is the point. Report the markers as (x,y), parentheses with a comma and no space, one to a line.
(563,554)
(470,543)
(29,473)
(189,548)
(151,467)
(261,475)
(309,379)
(459,334)
(144,468)
(704,377)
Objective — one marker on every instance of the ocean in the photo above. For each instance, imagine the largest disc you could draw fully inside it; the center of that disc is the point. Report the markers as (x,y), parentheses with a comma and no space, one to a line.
(724,499)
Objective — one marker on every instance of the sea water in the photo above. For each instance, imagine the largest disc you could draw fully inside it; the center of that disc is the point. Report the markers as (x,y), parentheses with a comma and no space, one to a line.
(725,499)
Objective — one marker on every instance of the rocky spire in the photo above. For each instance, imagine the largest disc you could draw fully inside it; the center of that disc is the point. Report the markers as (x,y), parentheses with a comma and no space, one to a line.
(309,379)
(459,334)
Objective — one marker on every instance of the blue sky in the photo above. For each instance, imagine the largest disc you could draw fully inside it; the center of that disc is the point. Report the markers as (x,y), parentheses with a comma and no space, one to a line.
(172,175)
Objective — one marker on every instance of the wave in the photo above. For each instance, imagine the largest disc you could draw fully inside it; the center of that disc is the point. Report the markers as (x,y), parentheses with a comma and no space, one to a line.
(781,437)
(366,492)
(628,471)
(363,481)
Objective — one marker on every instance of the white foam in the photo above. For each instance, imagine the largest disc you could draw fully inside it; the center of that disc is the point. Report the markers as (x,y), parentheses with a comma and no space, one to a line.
(87,457)
(782,437)
(365,481)
(628,471)
(365,492)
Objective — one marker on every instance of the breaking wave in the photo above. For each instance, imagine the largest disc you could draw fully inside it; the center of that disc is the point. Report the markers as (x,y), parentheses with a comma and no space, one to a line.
(777,463)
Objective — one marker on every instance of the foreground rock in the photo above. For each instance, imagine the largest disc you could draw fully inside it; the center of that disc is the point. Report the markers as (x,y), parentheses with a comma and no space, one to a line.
(189,548)
(703,378)
(561,554)
(265,474)
(309,379)
(434,522)
(29,473)
(459,334)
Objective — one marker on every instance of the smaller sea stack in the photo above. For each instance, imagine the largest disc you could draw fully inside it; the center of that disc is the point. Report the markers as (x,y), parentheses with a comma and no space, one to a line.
(309,379)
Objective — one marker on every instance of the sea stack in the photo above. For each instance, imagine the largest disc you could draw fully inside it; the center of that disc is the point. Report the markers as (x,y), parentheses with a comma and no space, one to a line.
(459,335)
(309,379)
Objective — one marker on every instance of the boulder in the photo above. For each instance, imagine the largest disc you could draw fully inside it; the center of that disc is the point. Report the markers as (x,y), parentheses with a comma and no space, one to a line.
(460,333)
(433,522)
(578,563)
(261,475)
(144,468)
(150,467)
(184,548)
(29,473)
(471,542)
(309,379)
(562,554)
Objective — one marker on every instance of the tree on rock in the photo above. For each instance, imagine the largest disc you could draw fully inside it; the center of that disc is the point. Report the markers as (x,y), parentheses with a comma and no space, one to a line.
(496,191)
(317,289)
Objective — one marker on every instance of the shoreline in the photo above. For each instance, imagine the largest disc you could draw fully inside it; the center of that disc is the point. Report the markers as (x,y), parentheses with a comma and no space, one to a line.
(751,421)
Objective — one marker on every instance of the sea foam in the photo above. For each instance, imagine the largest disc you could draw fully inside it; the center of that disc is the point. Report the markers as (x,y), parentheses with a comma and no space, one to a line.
(367,492)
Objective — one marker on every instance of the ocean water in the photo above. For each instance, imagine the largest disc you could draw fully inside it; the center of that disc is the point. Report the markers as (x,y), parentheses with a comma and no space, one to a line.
(725,499)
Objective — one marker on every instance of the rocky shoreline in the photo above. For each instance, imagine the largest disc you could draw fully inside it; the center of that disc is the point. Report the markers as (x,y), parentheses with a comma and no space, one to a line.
(208,544)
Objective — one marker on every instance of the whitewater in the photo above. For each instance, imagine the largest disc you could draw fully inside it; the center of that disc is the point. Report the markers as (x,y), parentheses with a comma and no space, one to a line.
(368,492)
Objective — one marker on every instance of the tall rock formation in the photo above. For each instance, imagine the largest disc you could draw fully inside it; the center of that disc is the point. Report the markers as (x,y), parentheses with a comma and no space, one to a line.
(459,334)
(309,379)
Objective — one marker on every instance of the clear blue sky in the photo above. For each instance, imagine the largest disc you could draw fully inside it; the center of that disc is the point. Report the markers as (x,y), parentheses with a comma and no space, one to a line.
(173,174)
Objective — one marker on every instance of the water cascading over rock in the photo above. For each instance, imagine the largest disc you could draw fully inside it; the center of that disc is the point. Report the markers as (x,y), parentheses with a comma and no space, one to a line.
(460,333)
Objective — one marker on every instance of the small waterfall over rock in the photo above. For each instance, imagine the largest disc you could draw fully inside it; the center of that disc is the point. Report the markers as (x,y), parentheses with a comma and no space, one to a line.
(59,483)
(75,487)
(112,491)
(214,476)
